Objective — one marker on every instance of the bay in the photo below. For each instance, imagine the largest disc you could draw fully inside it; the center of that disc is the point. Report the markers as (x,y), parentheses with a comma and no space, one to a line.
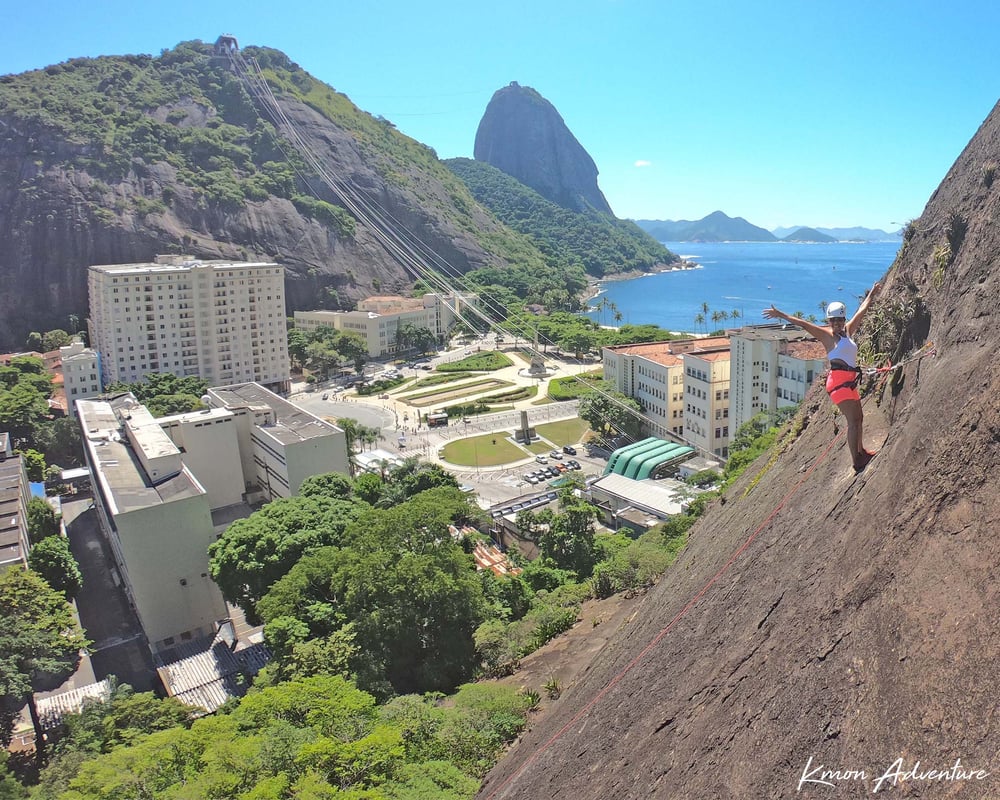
(746,277)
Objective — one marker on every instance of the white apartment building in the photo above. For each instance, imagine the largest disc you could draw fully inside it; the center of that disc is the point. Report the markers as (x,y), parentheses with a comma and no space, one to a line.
(706,399)
(772,366)
(378,319)
(653,374)
(157,518)
(223,321)
(81,369)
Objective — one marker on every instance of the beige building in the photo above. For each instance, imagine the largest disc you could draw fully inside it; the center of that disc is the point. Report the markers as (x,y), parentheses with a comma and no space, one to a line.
(81,370)
(220,320)
(378,319)
(157,518)
(706,399)
(14,495)
(772,366)
(653,374)
(280,444)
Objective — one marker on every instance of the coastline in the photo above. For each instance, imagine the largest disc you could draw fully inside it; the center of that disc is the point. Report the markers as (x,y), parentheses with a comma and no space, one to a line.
(594,285)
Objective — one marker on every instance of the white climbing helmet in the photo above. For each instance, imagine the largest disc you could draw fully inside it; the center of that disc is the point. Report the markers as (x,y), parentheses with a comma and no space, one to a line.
(836,311)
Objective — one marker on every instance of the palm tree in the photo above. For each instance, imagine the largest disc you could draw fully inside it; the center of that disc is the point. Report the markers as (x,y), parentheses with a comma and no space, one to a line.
(699,318)
(735,314)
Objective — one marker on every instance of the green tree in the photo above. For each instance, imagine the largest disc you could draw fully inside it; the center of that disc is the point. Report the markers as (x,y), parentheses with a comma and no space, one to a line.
(51,558)
(578,342)
(610,412)
(166,405)
(10,789)
(22,409)
(255,552)
(333,485)
(34,464)
(406,586)
(54,339)
(40,644)
(569,539)
(352,347)
(42,520)
(298,341)
(34,342)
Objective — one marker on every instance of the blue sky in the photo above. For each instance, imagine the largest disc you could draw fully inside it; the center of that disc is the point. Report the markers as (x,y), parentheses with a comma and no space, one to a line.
(785,113)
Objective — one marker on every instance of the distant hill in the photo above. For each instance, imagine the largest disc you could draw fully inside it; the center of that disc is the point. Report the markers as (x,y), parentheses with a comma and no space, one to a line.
(599,243)
(808,235)
(522,134)
(856,234)
(716,227)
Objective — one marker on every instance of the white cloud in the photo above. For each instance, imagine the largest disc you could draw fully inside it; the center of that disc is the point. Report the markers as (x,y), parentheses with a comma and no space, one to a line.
(643,163)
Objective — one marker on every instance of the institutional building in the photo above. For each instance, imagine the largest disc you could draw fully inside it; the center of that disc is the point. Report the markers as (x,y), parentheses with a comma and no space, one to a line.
(166,487)
(223,321)
(706,399)
(14,495)
(157,518)
(653,373)
(772,366)
(280,444)
(378,319)
(81,371)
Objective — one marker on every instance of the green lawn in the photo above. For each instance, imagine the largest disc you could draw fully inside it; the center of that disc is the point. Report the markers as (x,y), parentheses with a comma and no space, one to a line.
(563,432)
(481,451)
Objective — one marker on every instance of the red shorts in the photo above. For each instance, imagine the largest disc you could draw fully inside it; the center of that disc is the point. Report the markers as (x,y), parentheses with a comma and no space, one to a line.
(837,378)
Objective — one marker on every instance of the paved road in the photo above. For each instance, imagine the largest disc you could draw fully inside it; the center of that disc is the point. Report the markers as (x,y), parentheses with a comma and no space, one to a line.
(119,648)
(403,435)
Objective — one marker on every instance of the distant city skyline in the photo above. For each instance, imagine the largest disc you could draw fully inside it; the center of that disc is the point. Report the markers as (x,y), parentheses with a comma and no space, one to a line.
(785,114)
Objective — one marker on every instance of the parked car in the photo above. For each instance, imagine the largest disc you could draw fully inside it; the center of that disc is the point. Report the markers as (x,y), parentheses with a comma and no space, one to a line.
(531,479)
(573,464)
(325,395)
(553,472)
(541,459)
(570,451)
(426,366)
(555,454)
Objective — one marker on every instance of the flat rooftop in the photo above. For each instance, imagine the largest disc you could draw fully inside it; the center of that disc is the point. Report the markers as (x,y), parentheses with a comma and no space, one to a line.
(669,353)
(153,268)
(126,484)
(291,423)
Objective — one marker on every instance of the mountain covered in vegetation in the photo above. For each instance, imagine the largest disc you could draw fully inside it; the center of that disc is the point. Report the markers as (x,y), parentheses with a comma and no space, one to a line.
(854,234)
(716,227)
(118,158)
(598,243)
(808,235)
(522,134)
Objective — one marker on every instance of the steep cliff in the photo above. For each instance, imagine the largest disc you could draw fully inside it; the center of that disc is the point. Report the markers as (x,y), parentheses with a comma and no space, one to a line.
(522,134)
(818,620)
(115,159)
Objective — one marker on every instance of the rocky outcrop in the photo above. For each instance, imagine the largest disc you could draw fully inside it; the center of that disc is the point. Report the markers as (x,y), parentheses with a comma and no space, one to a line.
(819,620)
(522,134)
(57,217)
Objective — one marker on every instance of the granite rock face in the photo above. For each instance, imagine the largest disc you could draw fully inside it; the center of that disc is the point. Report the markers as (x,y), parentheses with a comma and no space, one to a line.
(522,134)
(819,619)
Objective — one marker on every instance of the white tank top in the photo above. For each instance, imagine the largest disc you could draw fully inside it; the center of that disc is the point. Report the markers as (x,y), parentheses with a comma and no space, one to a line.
(845,350)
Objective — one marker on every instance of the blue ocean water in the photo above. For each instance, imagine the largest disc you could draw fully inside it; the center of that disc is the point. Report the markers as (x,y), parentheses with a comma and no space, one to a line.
(747,277)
